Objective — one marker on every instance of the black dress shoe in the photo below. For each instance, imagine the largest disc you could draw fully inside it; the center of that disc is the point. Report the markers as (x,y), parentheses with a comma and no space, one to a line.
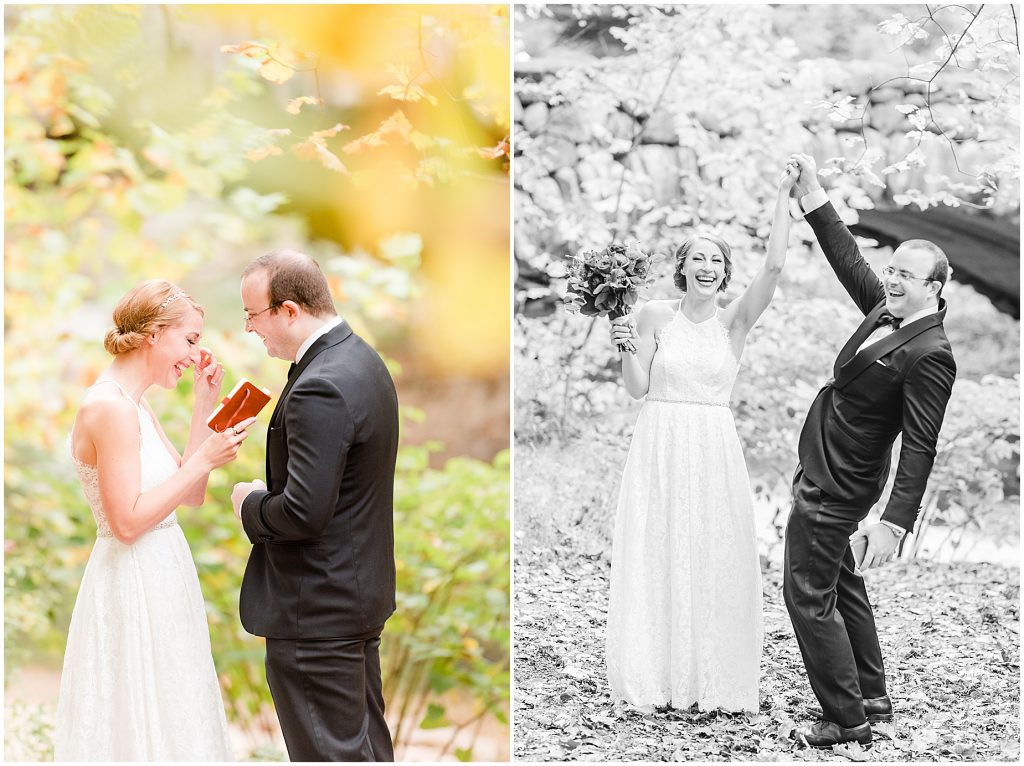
(825,734)
(877,710)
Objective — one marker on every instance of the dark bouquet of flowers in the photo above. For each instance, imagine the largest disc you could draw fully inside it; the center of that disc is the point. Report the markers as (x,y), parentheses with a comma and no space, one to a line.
(607,282)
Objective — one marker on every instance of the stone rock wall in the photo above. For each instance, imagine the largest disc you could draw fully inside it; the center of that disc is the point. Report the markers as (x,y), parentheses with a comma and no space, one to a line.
(564,135)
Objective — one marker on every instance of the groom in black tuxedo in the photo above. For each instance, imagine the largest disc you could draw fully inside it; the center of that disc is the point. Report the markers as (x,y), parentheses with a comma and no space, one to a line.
(894,375)
(320,581)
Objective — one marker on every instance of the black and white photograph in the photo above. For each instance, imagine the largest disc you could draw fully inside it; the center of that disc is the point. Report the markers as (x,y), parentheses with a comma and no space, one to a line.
(766,362)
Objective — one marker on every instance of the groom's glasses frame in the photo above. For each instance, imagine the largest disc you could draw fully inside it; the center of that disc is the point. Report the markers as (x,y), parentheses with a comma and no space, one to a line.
(888,271)
(251,315)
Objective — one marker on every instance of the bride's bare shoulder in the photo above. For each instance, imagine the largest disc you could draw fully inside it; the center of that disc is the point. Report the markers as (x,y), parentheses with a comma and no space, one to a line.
(653,315)
(657,309)
(104,407)
(659,306)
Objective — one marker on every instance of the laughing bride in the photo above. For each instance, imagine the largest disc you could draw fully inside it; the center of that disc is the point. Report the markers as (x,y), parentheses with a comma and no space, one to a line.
(684,616)
(138,682)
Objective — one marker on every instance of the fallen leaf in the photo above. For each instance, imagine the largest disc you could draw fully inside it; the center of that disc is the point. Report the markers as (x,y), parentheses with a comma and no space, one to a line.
(923,740)
(886,730)
(853,751)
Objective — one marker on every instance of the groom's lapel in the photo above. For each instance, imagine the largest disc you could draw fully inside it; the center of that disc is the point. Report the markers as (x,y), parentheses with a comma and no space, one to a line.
(332,338)
(894,340)
(859,336)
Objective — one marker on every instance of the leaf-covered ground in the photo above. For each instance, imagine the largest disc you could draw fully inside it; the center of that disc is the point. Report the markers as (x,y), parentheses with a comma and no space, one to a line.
(949,634)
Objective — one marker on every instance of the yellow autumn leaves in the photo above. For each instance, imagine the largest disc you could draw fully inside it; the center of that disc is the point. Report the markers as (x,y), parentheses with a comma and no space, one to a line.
(407,108)
(278,63)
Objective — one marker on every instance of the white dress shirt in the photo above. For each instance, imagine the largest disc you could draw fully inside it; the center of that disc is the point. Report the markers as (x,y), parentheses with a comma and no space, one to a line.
(813,200)
(325,328)
(886,330)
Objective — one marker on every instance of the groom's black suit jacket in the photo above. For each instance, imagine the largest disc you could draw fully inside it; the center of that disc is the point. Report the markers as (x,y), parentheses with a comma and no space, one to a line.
(901,383)
(322,563)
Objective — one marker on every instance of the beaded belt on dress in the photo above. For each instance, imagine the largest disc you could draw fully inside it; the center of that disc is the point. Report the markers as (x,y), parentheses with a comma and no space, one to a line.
(165,524)
(687,401)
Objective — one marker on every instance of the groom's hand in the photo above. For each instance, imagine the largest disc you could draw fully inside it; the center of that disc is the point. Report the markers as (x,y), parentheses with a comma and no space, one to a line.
(882,545)
(241,491)
(808,179)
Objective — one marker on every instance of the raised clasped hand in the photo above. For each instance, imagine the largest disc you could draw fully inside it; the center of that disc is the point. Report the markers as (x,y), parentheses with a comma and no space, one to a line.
(881,547)
(807,176)
(789,176)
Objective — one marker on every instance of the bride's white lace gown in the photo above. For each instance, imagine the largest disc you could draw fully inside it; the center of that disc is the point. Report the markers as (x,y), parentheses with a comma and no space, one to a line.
(138,682)
(684,616)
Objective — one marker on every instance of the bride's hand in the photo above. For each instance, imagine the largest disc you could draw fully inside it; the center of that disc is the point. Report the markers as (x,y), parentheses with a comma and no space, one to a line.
(789,177)
(623,331)
(208,374)
(221,448)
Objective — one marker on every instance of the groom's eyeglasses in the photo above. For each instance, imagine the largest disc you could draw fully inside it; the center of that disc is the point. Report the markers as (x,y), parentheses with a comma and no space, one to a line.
(251,315)
(904,275)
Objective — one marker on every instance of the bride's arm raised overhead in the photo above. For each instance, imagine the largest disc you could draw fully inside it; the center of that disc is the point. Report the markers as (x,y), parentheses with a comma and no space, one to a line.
(112,425)
(636,367)
(743,313)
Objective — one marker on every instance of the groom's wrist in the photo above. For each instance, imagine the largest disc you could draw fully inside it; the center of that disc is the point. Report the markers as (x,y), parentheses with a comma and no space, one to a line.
(895,529)
(813,199)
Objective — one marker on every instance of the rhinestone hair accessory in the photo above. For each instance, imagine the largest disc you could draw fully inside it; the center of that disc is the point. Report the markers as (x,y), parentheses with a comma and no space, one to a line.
(171,299)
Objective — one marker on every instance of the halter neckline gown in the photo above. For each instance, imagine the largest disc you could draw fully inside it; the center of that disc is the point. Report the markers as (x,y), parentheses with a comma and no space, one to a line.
(138,682)
(684,618)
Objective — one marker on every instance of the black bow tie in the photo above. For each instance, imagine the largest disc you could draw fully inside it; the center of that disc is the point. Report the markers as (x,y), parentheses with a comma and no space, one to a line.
(291,370)
(887,318)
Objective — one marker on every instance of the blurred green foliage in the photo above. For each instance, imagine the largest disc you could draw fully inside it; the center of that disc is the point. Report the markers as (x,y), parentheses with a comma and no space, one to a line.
(120,169)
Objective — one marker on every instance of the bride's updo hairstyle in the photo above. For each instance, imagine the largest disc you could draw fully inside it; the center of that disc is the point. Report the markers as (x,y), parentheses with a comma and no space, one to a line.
(146,309)
(686,248)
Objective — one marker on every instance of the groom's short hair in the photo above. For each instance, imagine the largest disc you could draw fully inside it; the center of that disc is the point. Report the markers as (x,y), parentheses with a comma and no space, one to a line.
(940,266)
(295,276)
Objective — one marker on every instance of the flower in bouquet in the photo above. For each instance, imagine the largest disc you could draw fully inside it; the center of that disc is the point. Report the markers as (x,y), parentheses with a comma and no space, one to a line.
(607,282)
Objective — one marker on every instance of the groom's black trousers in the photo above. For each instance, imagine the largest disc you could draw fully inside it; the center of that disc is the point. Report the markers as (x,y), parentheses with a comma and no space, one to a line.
(329,699)
(828,604)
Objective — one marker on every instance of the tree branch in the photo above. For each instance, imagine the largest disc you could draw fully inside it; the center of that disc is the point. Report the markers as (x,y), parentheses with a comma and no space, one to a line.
(636,138)
(929,82)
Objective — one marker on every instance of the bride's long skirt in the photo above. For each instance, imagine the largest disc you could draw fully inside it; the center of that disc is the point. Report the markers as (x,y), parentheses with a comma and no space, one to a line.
(139,682)
(684,617)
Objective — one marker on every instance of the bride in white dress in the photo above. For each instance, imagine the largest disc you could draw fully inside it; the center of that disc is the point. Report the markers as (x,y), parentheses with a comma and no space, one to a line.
(684,614)
(138,682)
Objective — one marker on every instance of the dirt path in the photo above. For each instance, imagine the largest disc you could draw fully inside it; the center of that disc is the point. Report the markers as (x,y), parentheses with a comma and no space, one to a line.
(949,633)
